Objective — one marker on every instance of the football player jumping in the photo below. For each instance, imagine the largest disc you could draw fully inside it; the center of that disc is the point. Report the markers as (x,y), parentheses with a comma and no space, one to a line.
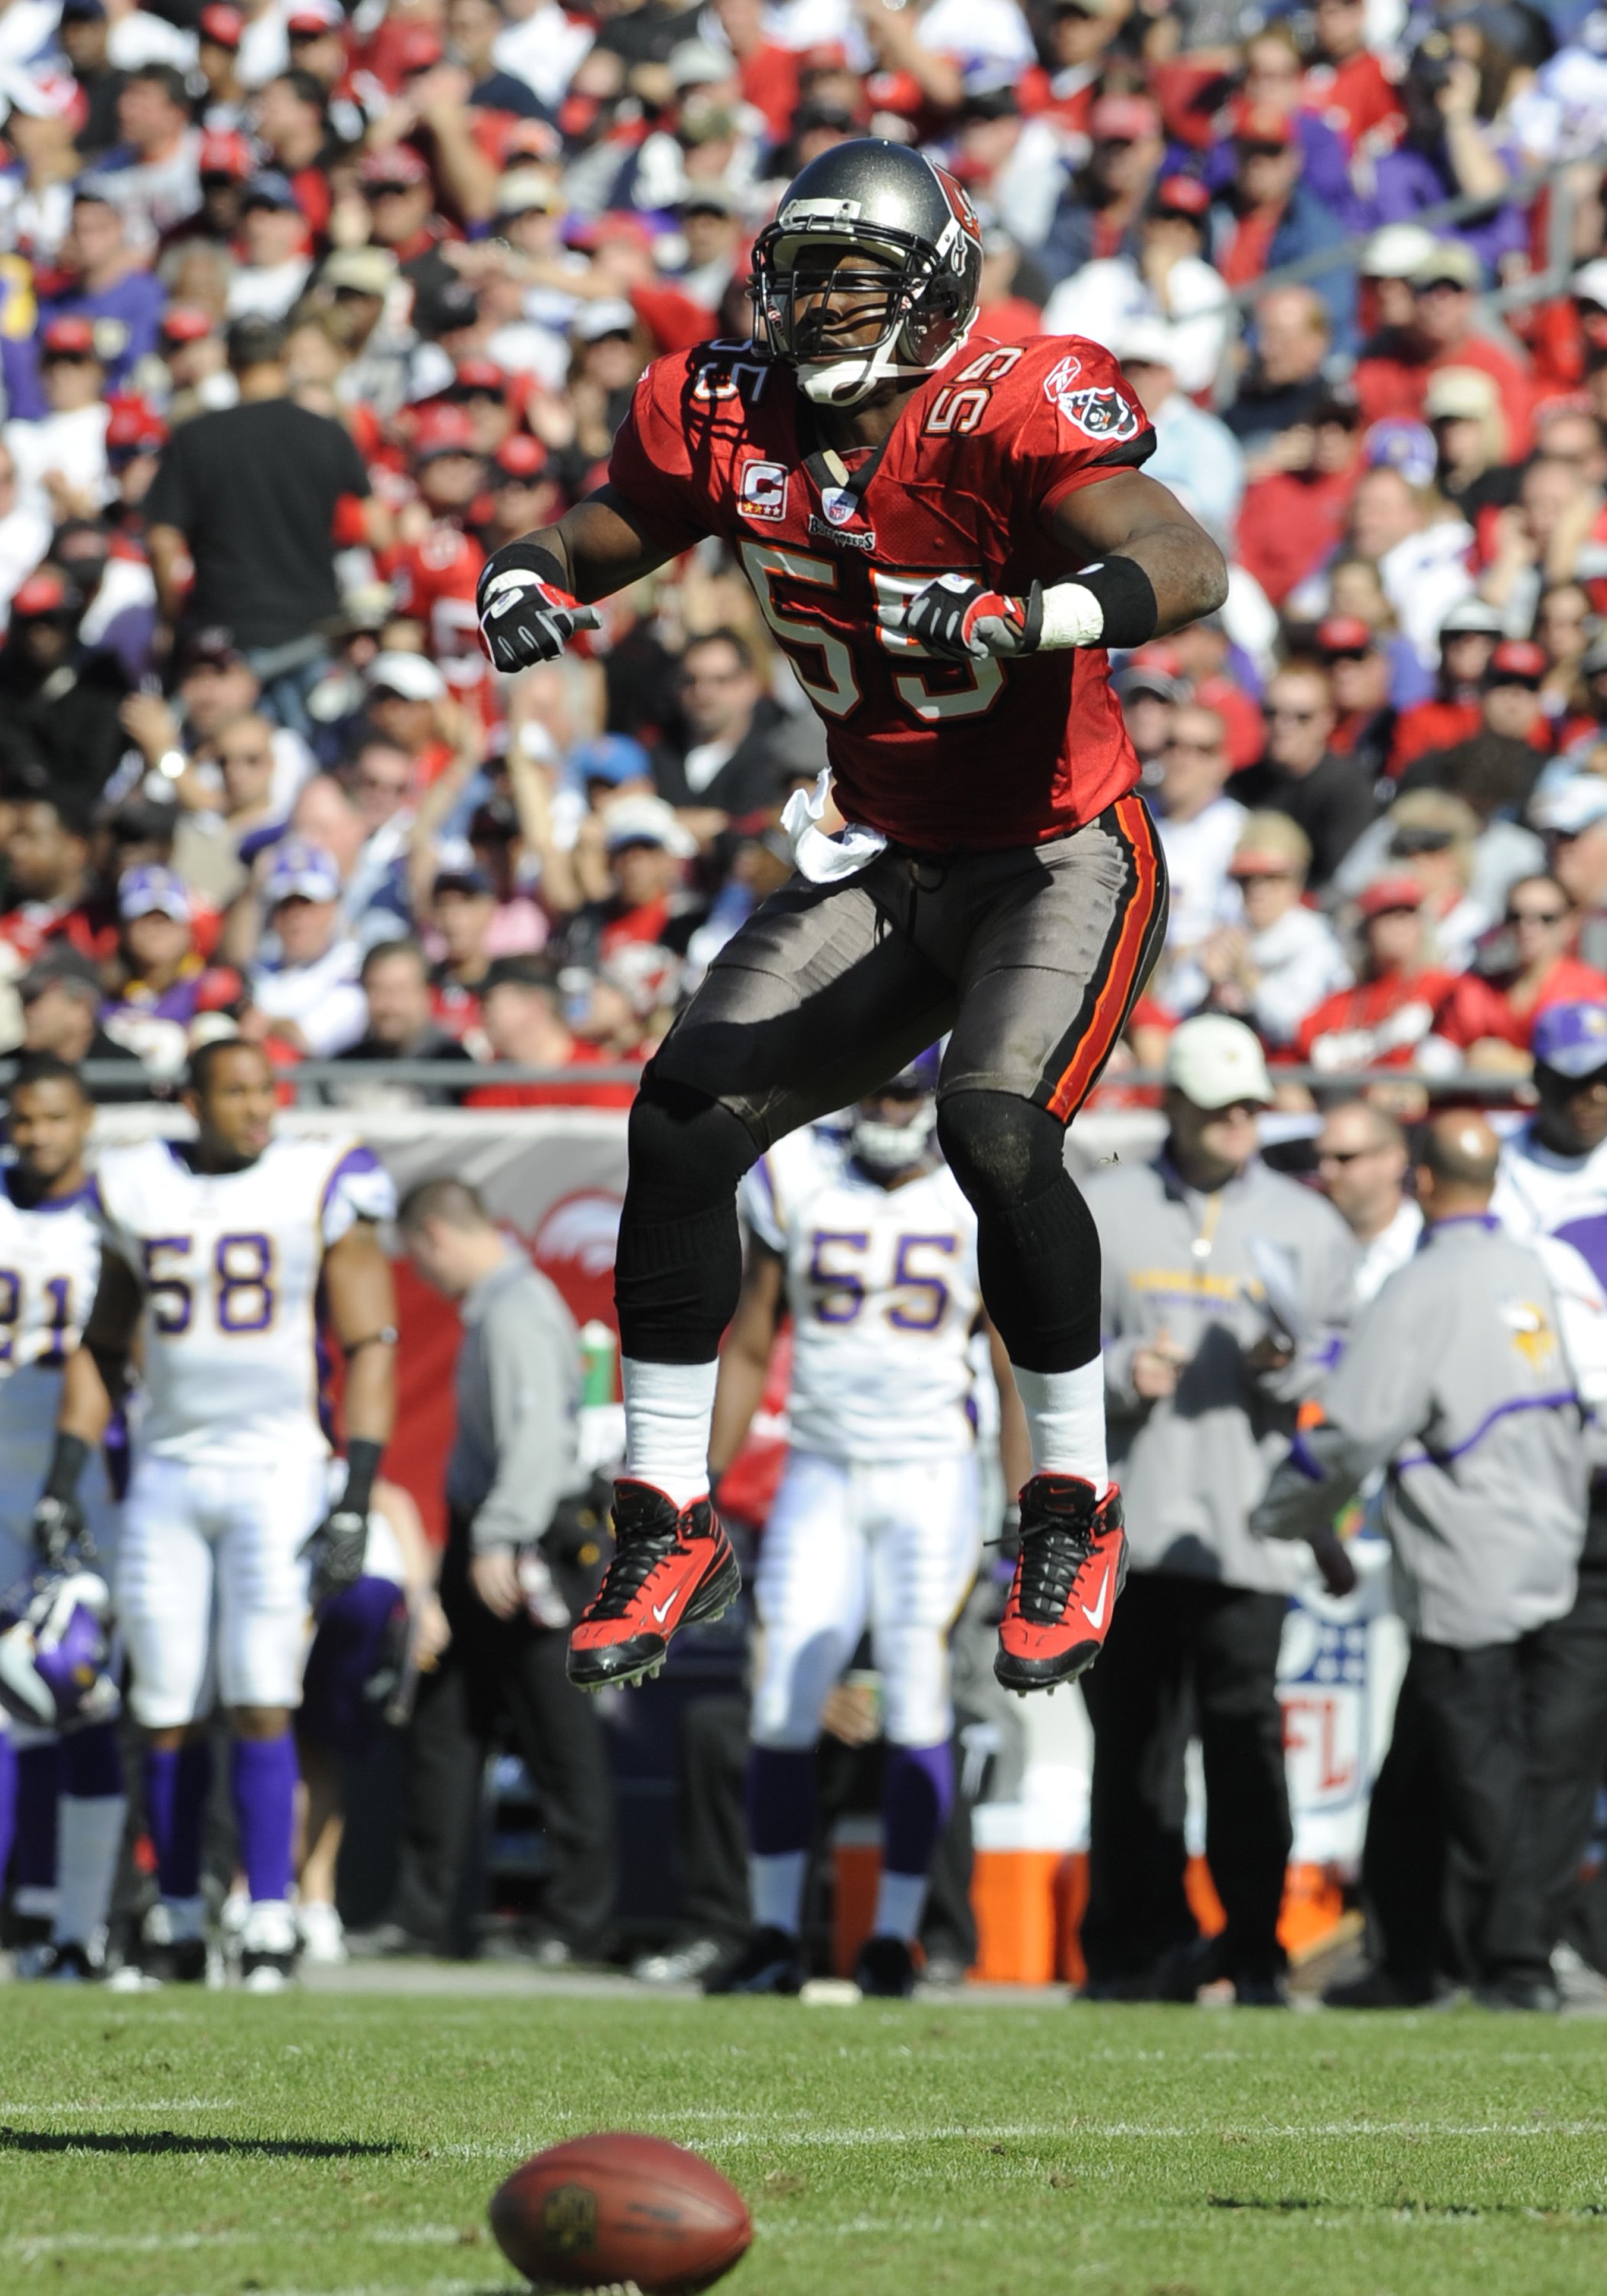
(220,1254)
(944,535)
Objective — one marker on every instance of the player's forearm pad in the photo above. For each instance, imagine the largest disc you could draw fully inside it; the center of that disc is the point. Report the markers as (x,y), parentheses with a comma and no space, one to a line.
(1112,603)
(67,1461)
(525,558)
(362,1465)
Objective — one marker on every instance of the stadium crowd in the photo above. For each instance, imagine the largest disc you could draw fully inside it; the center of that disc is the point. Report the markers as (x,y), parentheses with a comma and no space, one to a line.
(303,312)
(367,295)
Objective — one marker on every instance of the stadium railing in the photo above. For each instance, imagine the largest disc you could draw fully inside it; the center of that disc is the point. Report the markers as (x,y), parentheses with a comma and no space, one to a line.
(306,1079)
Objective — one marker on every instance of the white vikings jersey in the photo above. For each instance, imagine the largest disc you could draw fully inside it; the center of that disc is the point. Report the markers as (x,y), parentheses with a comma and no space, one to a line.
(883,1287)
(50,1259)
(230,1264)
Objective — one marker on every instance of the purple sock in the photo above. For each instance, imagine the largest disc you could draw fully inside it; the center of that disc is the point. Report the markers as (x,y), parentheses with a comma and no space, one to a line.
(92,1768)
(39,1788)
(262,1779)
(178,1780)
(917,1794)
(8,1799)
(778,1795)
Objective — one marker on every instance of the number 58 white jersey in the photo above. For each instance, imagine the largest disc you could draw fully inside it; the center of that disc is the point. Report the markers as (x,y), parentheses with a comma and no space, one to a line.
(230,1265)
(883,1291)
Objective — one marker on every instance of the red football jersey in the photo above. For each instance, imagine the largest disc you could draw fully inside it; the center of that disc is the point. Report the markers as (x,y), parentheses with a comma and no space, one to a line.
(938,755)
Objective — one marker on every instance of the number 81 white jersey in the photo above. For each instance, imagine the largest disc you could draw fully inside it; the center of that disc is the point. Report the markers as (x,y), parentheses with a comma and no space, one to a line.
(883,1287)
(229,1265)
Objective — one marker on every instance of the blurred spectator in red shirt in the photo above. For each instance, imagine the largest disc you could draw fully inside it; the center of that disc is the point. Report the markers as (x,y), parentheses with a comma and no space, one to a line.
(1074,38)
(1383,1021)
(1467,636)
(51,895)
(1392,374)
(462,908)
(1346,82)
(1293,516)
(523,1007)
(1518,973)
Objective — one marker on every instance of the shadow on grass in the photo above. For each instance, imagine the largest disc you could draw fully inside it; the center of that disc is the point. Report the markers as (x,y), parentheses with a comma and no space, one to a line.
(169,2140)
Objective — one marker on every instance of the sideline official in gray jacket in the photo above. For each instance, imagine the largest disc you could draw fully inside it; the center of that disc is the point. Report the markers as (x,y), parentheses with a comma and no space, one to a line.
(1458,1380)
(1226,1289)
(514,1461)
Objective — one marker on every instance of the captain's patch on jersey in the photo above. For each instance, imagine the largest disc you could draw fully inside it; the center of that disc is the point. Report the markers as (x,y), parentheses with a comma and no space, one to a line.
(764,491)
(1098,410)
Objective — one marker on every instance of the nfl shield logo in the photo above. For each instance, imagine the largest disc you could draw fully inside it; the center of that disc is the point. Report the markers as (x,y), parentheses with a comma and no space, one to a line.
(839,505)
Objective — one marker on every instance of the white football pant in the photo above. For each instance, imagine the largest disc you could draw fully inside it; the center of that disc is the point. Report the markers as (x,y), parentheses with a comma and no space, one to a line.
(209,1581)
(893,1546)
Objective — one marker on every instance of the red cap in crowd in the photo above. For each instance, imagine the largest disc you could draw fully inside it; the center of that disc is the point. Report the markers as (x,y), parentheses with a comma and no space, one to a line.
(1123,119)
(1517,661)
(418,50)
(224,27)
(520,456)
(223,152)
(480,375)
(186,323)
(440,428)
(1344,634)
(133,425)
(68,338)
(45,592)
(398,163)
(1390,893)
(1181,195)
(1261,123)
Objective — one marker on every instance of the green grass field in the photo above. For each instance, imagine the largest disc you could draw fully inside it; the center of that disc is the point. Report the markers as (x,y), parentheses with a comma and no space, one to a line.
(205,2145)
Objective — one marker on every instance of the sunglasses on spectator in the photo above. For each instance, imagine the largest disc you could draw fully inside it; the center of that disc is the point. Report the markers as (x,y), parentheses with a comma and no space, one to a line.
(1199,749)
(1348,1155)
(712,677)
(1262,876)
(1295,716)
(1535,916)
(383,782)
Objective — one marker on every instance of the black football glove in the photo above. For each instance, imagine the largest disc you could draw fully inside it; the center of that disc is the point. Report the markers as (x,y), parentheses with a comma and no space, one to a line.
(524,619)
(335,1550)
(963,620)
(58,1529)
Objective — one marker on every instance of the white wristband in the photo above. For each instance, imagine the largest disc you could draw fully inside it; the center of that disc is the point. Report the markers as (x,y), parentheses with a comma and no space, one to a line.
(1072,617)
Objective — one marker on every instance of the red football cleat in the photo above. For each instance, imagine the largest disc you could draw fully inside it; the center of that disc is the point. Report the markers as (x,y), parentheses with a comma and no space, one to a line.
(1073,1565)
(670,1568)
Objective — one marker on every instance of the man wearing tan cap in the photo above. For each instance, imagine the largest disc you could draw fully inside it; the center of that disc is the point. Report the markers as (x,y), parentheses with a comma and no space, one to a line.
(1225,1287)
(1280,959)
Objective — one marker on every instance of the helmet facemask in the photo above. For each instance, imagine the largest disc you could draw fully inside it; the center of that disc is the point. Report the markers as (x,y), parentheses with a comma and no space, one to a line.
(929,303)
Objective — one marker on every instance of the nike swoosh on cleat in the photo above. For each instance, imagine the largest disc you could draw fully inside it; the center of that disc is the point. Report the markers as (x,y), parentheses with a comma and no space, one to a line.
(1095,1616)
(661,1610)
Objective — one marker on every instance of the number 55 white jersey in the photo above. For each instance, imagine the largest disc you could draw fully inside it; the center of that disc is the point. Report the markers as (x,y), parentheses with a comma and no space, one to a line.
(883,1287)
(229,1265)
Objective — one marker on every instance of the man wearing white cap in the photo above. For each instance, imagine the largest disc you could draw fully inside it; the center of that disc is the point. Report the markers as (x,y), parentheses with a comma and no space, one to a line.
(305,989)
(1226,1288)
(1572,818)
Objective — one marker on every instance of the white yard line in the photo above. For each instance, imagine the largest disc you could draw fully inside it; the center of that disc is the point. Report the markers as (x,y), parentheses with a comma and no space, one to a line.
(1075,2126)
(120,2104)
(29,2247)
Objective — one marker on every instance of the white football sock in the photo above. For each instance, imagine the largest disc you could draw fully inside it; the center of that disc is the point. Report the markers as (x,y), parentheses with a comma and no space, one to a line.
(90,1836)
(775,1887)
(1066,1421)
(900,1898)
(667,1411)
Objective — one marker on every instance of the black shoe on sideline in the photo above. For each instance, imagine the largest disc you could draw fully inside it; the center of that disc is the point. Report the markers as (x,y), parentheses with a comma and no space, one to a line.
(1535,1995)
(767,1961)
(885,1970)
(1377,1988)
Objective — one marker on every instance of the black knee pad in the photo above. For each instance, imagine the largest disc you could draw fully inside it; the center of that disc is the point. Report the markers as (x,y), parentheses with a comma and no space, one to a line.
(1037,1248)
(685,1150)
(1003,1150)
(678,1267)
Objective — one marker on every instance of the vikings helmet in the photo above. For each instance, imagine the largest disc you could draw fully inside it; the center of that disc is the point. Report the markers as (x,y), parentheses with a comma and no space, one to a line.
(880,200)
(886,1149)
(55,1649)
